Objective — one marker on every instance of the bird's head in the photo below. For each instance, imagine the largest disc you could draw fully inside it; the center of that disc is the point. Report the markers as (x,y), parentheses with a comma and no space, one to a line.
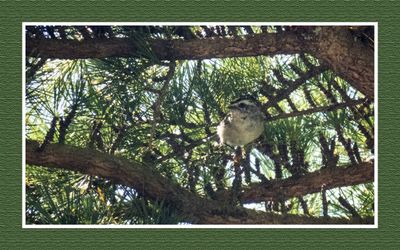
(244,105)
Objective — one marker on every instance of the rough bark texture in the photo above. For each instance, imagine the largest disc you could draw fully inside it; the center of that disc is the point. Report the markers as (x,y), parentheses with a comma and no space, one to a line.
(349,58)
(133,174)
(254,217)
(260,44)
(197,209)
(311,183)
(335,46)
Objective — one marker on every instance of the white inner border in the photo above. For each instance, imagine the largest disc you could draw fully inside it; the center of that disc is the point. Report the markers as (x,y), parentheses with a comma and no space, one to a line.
(375,24)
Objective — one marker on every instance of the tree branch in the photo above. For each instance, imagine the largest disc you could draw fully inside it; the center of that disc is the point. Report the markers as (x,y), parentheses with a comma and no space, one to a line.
(255,217)
(259,44)
(349,58)
(154,186)
(310,183)
(293,85)
(332,107)
(336,46)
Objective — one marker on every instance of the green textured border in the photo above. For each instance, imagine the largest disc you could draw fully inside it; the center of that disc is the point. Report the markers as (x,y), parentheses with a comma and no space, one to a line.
(12,14)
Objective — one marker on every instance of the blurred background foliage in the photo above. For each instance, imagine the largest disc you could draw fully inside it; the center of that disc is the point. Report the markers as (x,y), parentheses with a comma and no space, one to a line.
(164,114)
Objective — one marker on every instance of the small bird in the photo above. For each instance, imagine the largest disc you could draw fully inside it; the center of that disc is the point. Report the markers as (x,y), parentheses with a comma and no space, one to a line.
(243,124)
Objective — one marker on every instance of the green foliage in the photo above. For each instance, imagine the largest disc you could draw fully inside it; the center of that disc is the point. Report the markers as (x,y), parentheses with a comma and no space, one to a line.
(63,197)
(52,197)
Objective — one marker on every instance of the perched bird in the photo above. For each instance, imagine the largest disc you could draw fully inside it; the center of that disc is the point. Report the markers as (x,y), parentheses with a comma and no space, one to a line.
(243,124)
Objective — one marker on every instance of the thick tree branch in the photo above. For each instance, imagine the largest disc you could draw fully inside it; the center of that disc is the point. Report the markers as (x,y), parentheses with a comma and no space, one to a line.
(260,44)
(152,185)
(348,57)
(133,174)
(310,183)
(335,46)
(254,217)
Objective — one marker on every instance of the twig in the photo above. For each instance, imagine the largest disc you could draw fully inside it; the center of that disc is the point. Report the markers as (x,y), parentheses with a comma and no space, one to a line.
(349,207)
(318,109)
(324,202)
(50,135)
(160,99)
(293,85)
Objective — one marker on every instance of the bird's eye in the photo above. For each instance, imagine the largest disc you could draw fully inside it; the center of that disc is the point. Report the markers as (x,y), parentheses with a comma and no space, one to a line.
(242,105)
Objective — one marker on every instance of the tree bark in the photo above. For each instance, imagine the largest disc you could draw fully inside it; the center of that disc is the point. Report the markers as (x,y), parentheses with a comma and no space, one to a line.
(335,46)
(259,44)
(346,56)
(311,183)
(199,210)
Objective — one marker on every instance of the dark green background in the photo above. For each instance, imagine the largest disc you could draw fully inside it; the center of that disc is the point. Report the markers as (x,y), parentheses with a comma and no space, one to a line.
(12,14)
